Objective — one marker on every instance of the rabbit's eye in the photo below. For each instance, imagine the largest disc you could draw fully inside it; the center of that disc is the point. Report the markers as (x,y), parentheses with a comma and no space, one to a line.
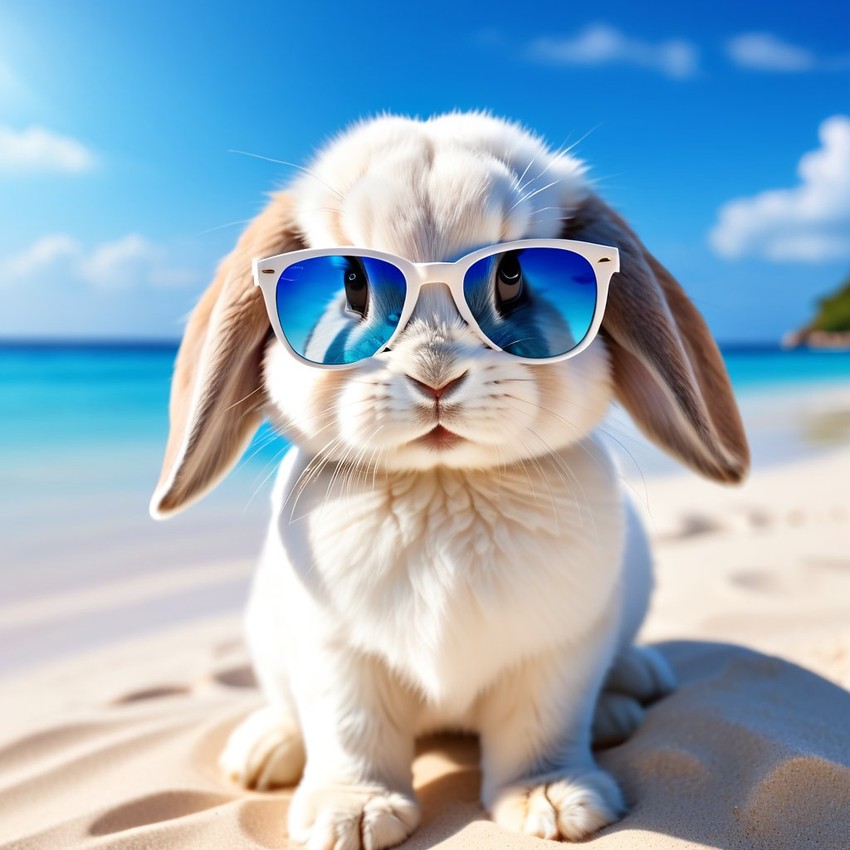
(356,286)
(510,292)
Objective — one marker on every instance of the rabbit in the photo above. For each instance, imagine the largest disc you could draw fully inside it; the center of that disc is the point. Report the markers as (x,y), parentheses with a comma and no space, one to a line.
(494,584)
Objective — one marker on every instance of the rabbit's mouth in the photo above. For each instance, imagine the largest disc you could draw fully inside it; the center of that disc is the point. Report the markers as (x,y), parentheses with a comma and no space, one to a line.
(439,438)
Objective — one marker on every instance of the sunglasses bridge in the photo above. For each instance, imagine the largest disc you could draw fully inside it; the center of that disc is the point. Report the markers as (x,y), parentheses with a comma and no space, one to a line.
(437,277)
(433,273)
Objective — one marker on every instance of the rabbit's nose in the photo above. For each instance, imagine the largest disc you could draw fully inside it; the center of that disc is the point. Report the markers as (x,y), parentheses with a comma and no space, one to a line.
(437,393)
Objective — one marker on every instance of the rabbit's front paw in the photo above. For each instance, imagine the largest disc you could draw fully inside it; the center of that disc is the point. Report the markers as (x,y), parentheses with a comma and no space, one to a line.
(351,817)
(567,808)
(264,751)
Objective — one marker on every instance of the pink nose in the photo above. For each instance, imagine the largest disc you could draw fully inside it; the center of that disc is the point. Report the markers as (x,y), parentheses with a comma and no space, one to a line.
(437,393)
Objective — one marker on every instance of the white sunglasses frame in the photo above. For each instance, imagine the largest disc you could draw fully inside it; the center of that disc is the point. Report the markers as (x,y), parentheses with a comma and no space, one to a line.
(604,259)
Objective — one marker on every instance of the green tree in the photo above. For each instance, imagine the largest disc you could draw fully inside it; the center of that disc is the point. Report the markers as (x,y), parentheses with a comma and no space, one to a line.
(833,311)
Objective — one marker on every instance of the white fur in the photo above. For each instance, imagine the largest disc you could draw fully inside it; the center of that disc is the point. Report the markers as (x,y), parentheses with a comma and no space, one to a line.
(485,586)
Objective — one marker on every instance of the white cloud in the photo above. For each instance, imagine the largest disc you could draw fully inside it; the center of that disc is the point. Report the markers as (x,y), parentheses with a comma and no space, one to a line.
(41,256)
(38,150)
(809,222)
(600,44)
(126,263)
(120,264)
(765,52)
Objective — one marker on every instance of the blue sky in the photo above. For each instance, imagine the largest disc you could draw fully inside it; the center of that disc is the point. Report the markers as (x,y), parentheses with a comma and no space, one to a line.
(721,131)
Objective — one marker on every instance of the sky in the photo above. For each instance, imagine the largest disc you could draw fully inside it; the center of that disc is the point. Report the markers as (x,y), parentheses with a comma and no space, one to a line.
(721,131)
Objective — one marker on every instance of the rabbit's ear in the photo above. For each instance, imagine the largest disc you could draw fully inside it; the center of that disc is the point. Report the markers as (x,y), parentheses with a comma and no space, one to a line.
(668,372)
(216,392)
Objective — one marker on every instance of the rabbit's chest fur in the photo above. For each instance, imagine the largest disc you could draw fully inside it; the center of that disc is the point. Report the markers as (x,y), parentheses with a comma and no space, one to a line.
(450,576)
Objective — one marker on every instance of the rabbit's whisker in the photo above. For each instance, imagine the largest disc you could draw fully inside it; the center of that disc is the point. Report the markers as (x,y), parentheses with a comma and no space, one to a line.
(258,446)
(236,403)
(610,432)
(521,177)
(552,160)
(556,157)
(571,478)
(548,449)
(544,209)
(575,431)
(320,458)
(223,226)
(554,218)
(530,195)
(304,170)
(272,466)
(543,475)
(339,469)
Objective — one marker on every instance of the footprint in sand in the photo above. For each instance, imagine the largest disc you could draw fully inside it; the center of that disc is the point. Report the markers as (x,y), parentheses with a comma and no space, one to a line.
(757,580)
(838,564)
(236,677)
(156,692)
(156,808)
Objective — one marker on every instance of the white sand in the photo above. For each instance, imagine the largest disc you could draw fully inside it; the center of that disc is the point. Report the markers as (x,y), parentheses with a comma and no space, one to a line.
(117,747)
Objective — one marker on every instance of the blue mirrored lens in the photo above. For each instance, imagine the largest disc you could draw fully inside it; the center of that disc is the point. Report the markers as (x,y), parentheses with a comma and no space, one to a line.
(330,323)
(548,314)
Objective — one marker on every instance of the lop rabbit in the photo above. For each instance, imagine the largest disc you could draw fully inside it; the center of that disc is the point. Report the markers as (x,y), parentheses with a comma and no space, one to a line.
(450,545)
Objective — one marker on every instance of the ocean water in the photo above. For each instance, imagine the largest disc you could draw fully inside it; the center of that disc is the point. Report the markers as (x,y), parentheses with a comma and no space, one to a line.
(761,370)
(65,406)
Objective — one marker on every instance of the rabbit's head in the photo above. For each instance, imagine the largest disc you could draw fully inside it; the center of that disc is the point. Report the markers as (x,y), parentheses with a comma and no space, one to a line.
(433,191)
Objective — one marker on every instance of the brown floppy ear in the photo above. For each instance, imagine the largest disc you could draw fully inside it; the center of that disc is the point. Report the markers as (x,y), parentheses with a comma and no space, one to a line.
(216,392)
(668,372)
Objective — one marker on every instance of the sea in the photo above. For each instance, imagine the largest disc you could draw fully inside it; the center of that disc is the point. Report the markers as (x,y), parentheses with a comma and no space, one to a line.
(82,431)
(97,409)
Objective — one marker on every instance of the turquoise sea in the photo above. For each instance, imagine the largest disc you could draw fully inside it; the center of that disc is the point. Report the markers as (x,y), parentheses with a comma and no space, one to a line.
(82,430)
(104,404)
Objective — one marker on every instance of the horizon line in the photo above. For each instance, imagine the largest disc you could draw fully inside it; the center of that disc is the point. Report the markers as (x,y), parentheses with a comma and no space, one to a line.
(160,343)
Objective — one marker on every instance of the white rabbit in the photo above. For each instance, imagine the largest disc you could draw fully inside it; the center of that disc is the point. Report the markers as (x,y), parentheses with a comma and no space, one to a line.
(487,584)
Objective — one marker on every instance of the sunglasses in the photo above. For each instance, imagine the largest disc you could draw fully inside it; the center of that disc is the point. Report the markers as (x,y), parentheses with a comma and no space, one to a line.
(539,300)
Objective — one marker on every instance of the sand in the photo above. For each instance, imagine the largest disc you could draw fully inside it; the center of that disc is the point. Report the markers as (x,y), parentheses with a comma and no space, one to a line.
(116,746)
